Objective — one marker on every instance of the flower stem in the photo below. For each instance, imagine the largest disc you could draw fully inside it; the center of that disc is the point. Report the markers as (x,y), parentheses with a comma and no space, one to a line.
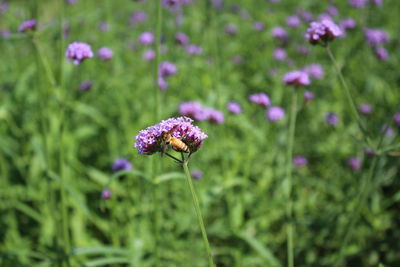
(289,156)
(349,97)
(157,93)
(198,212)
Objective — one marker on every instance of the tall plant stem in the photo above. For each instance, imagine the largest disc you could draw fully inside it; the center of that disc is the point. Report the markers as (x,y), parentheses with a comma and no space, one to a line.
(289,156)
(198,212)
(349,97)
(157,92)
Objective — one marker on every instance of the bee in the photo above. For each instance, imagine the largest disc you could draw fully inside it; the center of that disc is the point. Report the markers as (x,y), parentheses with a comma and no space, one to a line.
(175,143)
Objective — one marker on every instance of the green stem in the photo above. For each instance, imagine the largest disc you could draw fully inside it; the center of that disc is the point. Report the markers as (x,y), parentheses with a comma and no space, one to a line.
(289,157)
(157,93)
(198,212)
(349,97)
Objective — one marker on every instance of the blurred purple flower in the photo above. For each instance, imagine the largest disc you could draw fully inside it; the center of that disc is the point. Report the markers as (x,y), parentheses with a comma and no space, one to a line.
(149,55)
(376,37)
(300,161)
(308,96)
(167,69)
(85,86)
(322,32)
(261,99)
(396,119)
(27,25)
(104,26)
(105,53)
(71,2)
(358,3)
(347,24)
(331,118)
(280,54)
(258,26)
(237,59)
(293,21)
(234,107)
(297,78)
(106,194)
(77,52)
(354,163)
(387,130)
(5,33)
(215,116)
(365,109)
(192,109)
(138,16)
(369,152)
(275,113)
(162,83)
(231,29)
(148,141)
(181,38)
(304,15)
(3,7)
(196,174)
(302,50)
(315,71)
(381,53)
(193,49)
(121,164)
(279,33)
(332,11)
(378,3)
(146,38)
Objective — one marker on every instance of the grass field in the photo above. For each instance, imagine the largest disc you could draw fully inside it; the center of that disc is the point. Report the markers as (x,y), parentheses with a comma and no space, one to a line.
(306,174)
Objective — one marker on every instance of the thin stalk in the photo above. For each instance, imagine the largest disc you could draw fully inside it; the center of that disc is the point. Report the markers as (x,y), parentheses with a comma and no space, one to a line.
(198,212)
(362,197)
(157,93)
(349,97)
(45,62)
(289,156)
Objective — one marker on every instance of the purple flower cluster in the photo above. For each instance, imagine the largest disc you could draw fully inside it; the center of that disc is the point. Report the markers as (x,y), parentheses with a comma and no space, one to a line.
(105,53)
(196,174)
(331,118)
(261,99)
(275,113)
(308,96)
(365,109)
(181,38)
(322,32)
(315,71)
(121,164)
(396,118)
(77,52)
(146,38)
(358,3)
(196,111)
(376,37)
(280,54)
(258,26)
(85,86)
(297,78)
(27,25)
(300,161)
(148,141)
(293,21)
(234,107)
(165,70)
(138,16)
(354,163)
(106,194)
(279,33)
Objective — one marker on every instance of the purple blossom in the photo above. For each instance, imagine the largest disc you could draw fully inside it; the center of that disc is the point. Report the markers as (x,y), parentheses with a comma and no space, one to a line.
(27,25)
(387,130)
(193,49)
(234,107)
(104,26)
(280,54)
(297,78)
(358,3)
(300,161)
(308,96)
(331,118)
(192,109)
(322,32)
(315,71)
(347,24)
(196,174)
(279,33)
(302,50)
(106,194)
(365,109)
(396,119)
(258,26)
(261,99)
(162,83)
(231,29)
(369,152)
(381,53)
(332,11)
(71,2)
(121,164)
(378,3)
(138,16)
(181,38)
(167,69)
(148,141)
(215,116)
(149,55)
(105,53)
(146,38)
(5,33)
(354,163)
(305,15)
(85,86)
(237,59)
(376,37)
(293,21)
(3,7)
(77,52)
(275,113)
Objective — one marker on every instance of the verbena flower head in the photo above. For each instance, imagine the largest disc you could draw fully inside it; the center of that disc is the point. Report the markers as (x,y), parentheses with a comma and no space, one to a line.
(261,99)
(234,107)
(300,161)
(297,78)
(376,37)
(387,130)
(149,141)
(275,113)
(121,164)
(314,71)
(196,174)
(193,49)
(331,118)
(280,54)
(181,38)
(258,26)
(302,50)
(396,118)
(354,163)
(146,38)
(365,109)
(215,115)
(279,33)
(308,96)
(105,53)
(77,52)
(381,53)
(138,16)
(347,24)
(304,15)
(85,86)
(27,25)
(332,10)
(167,69)
(191,109)
(358,3)
(231,29)
(149,55)
(293,21)
(104,26)
(106,194)
(378,3)
(322,32)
